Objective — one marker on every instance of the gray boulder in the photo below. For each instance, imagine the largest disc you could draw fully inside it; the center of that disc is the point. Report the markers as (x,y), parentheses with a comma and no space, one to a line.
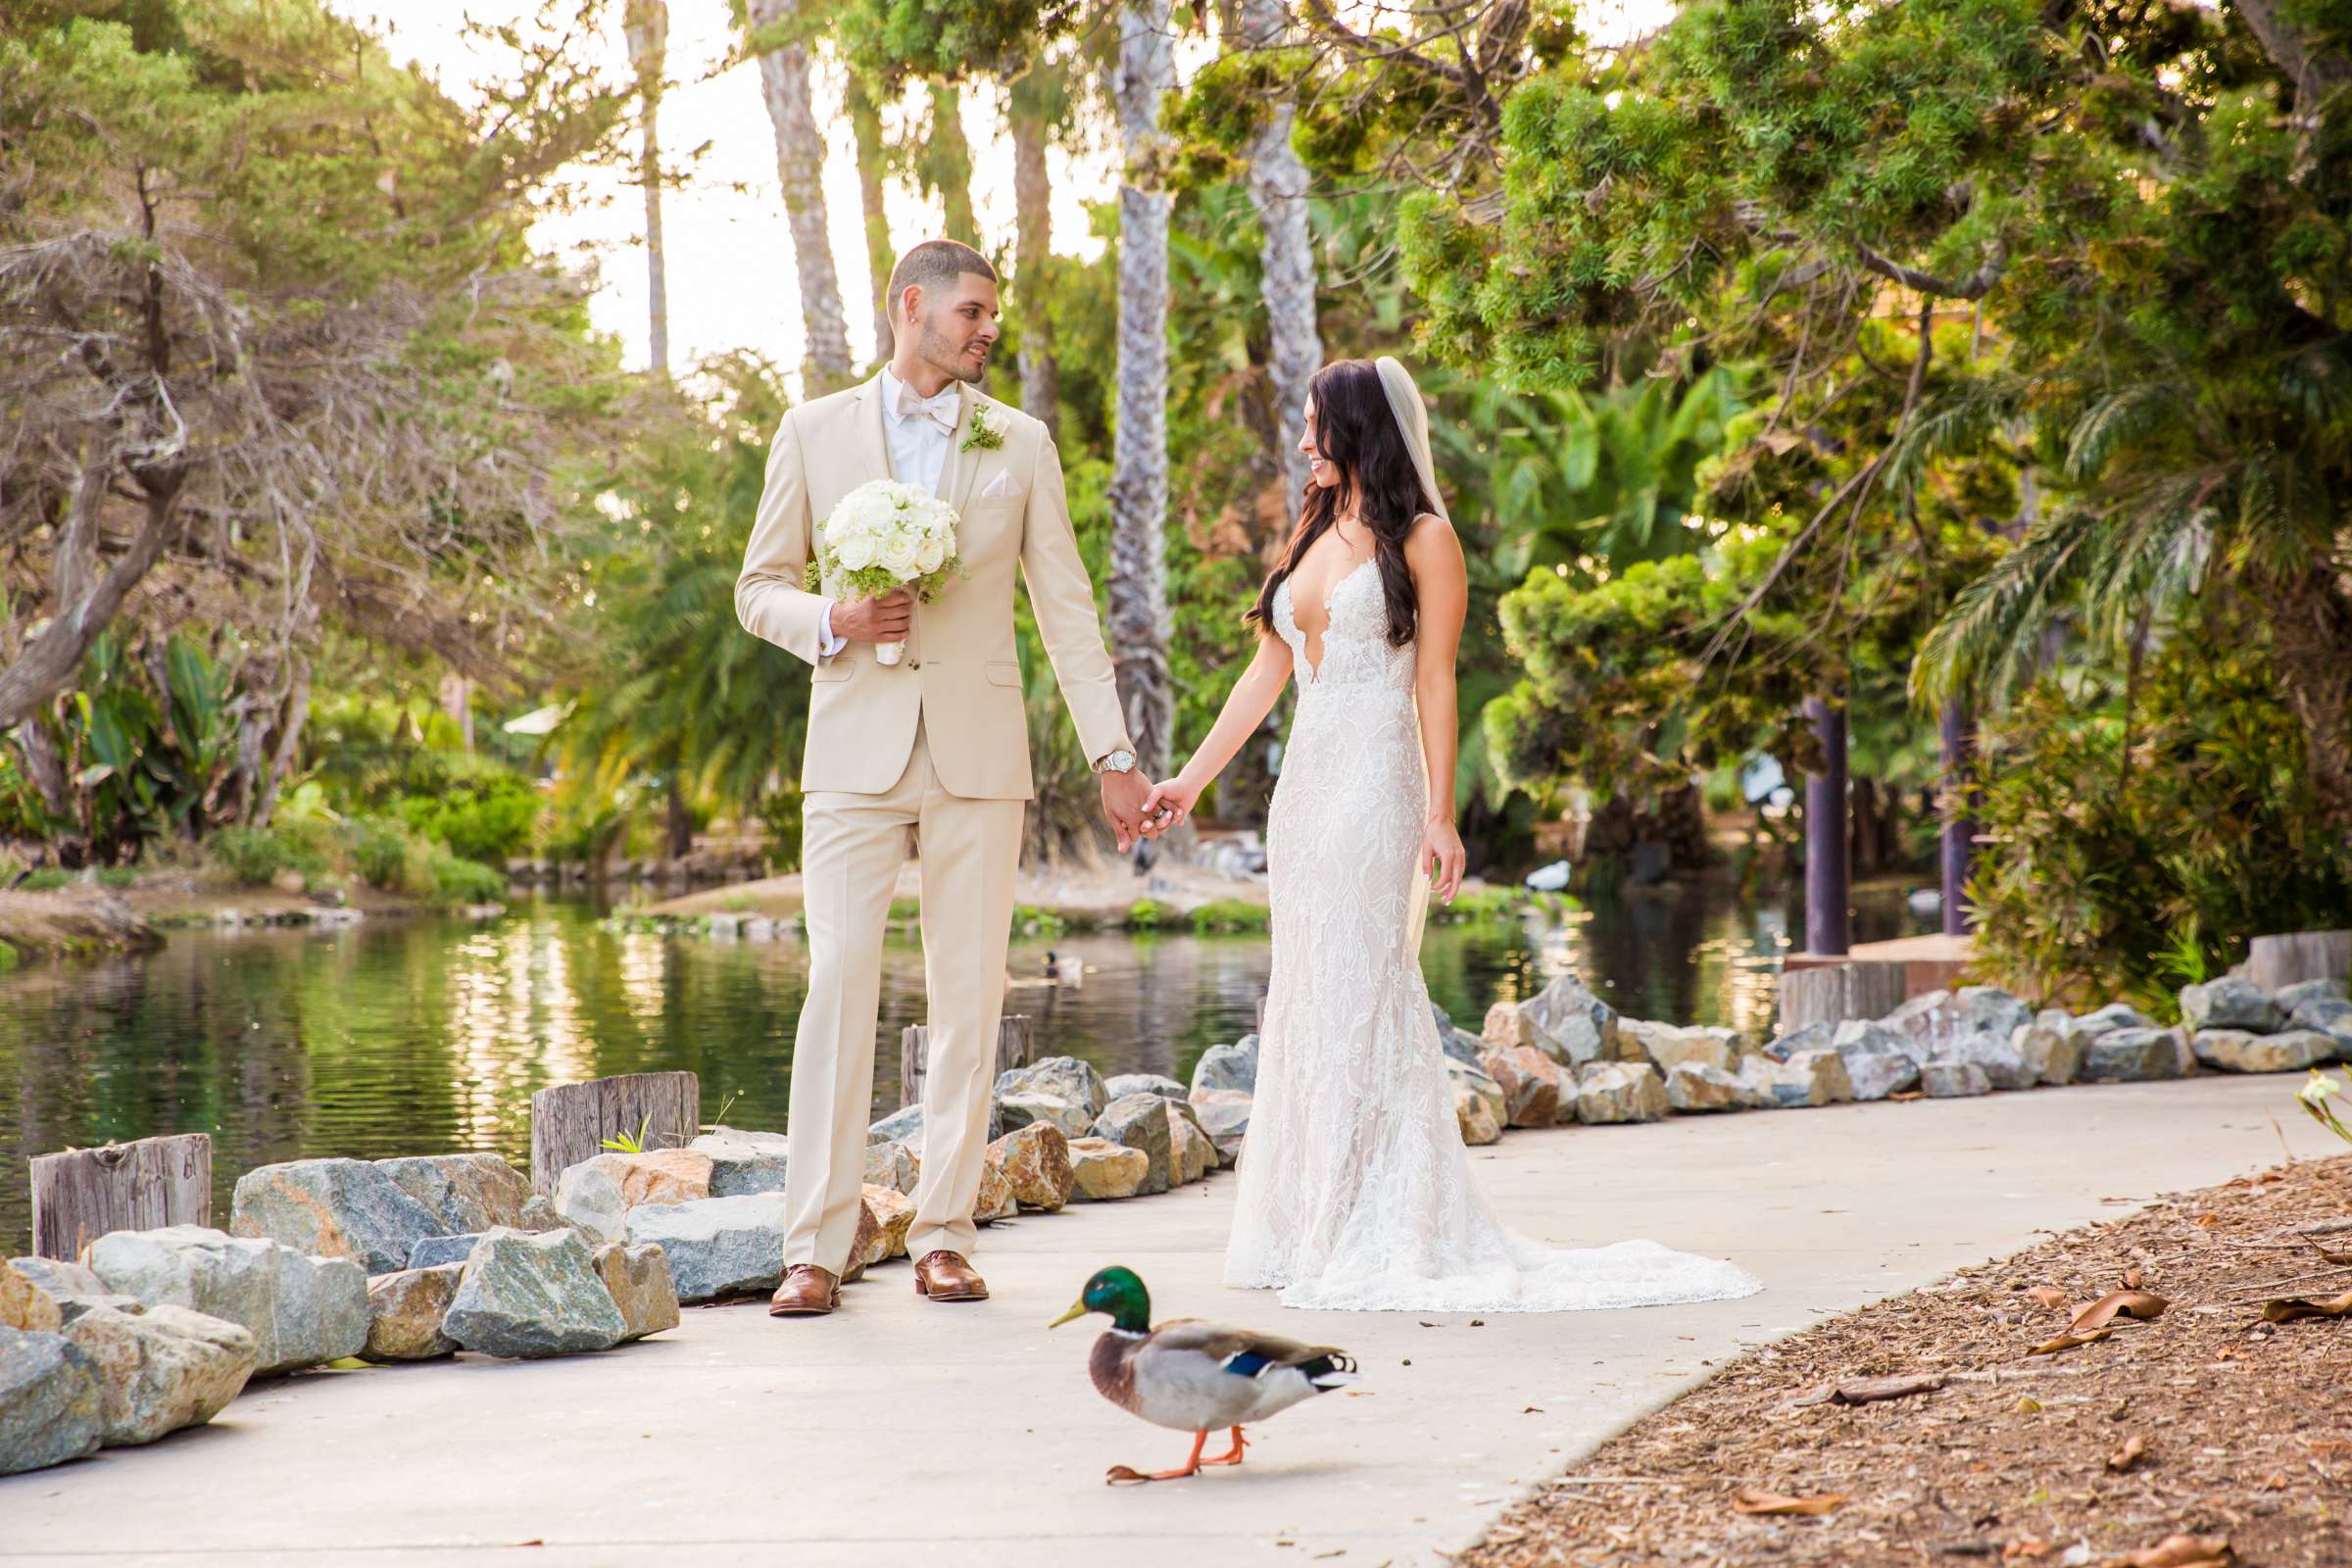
(2132,1055)
(2115,1015)
(1697,1085)
(716,1246)
(1619,1091)
(1953,1080)
(2053,1053)
(903,1125)
(1064,1078)
(300,1311)
(525,1295)
(1663,1045)
(2230,1004)
(2291,999)
(1460,1045)
(1573,1025)
(1920,1022)
(438,1251)
(1473,1078)
(1015,1111)
(1227,1067)
(742,1161)
(1987,1011)
(2241,1051)
(1878,1062)
(1999,1057)
(464,1192)
(160,1368)
(892,1165)
(1140,1122)
(1806,1078)
(1193,1153)
(58,1278)
(1812,1037)
(1121,1085)
(637,1278)
(51,1408)
(1225,1116)
(405,1311)
(333,1208)
(2331,1018)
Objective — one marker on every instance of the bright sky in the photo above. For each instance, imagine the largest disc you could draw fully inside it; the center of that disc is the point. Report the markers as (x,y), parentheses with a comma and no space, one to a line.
(729,254)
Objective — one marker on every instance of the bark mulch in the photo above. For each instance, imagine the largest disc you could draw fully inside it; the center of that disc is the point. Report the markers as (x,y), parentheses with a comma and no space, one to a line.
(1924,1430)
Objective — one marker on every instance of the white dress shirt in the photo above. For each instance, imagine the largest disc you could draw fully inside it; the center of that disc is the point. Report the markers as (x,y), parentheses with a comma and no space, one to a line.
(917,431)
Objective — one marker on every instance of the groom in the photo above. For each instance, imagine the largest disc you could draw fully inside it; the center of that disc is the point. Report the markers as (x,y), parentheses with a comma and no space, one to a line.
(930,753)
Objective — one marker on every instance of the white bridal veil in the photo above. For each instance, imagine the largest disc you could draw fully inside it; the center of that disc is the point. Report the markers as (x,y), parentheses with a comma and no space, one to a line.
(1405,401)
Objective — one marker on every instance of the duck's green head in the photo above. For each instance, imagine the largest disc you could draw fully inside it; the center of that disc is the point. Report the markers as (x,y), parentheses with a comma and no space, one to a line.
(1118,1294)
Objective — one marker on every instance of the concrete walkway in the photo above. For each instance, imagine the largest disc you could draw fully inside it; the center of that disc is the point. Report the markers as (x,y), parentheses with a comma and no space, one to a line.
(902,1433)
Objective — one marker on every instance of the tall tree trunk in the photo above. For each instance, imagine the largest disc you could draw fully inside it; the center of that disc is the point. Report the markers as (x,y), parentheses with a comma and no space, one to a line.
(680,819)
(874,159)
(800,170)
(1828,880)
(648,29)
(1140,628)
(1959,824)
(293,713)
(1033,244)
(2310,647)
(1278,184)
(84,601)
(945,164)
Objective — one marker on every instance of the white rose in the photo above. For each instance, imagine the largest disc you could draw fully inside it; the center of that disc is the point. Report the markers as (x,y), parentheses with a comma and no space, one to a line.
(853,553)
(929,558)
(897,553)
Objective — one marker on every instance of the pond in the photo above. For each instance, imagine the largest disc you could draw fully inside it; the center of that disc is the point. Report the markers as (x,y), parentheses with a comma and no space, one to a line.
(428,1035)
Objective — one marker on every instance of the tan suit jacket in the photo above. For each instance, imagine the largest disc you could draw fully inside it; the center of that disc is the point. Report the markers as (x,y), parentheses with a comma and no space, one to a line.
(961,674)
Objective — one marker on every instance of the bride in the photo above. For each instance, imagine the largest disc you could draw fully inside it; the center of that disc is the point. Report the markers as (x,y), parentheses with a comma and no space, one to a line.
(1354,1190)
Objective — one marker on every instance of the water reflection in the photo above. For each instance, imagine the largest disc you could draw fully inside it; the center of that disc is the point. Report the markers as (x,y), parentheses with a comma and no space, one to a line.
(428,1035)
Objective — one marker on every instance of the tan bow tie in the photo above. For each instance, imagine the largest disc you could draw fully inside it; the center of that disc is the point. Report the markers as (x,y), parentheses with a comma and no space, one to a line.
(940,410)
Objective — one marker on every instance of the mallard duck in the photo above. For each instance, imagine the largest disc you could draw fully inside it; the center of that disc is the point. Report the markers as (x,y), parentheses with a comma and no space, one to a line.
(1196,1376)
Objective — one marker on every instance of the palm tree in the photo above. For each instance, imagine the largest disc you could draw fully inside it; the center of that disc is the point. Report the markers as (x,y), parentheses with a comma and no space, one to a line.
(1287,260)
(799,169)
(942,162)
(1140,628)
(647,26)
(1033,101)
(874,162)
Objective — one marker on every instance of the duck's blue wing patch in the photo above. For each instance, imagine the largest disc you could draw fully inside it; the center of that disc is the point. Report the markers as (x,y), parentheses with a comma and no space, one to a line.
(1246,1364)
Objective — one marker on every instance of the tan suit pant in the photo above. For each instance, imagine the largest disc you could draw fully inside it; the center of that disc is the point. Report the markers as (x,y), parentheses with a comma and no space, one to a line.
(852,847)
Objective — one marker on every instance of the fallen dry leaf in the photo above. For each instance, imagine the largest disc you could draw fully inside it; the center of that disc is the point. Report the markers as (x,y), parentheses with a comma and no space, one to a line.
(1754,1499)
(2134,1279)
(2288,1309)
(2135,1449)
(2068,1342)
(2274,1481)
(2209,1219)
(2050,1296)
(1867,1391)
(2130,1304)
(2177,1551)
(2026,1551)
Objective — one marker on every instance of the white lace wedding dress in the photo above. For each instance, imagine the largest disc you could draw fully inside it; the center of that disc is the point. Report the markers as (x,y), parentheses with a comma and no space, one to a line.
(1354,1190)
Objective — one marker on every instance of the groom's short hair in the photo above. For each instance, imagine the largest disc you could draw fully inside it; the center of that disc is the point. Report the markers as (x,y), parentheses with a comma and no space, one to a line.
(933,266)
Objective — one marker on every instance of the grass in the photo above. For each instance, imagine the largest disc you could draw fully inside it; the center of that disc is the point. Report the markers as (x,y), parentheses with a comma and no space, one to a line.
(1228,915)
(48,879)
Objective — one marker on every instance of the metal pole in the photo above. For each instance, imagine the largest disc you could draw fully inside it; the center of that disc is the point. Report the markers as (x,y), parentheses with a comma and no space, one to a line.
(1826,928)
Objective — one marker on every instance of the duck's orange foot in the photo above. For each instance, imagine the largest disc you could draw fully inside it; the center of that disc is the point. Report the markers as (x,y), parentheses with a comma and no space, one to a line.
(1192,1467)
(1232,1455)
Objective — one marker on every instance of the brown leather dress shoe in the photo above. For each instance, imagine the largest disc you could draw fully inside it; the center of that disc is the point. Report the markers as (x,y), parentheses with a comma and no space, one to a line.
(945,1276)
(808,1291)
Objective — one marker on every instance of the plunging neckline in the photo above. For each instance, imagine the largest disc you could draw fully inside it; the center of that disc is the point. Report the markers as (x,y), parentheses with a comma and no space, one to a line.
(1314,666)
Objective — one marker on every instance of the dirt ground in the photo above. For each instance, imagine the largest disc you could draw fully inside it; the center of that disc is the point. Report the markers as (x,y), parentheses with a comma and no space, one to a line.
(2203,1435)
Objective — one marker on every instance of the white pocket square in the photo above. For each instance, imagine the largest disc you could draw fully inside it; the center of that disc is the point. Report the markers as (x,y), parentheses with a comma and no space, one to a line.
(1001,488)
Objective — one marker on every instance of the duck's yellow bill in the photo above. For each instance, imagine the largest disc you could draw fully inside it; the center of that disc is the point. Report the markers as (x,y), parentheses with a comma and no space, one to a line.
(1077,1309)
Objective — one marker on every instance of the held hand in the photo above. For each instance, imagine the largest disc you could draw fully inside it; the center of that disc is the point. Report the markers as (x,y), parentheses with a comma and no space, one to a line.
(886,620)
(1123,803)
(1168,805)
(1442,856)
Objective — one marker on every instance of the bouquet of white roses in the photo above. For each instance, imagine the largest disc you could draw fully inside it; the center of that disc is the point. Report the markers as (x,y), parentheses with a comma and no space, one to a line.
(886,536)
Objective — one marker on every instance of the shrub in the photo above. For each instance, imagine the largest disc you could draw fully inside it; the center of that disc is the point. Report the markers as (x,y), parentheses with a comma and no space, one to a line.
(1031,922)
(48,879)
(458,880)
(255,854)
(486,817)
(1231,916)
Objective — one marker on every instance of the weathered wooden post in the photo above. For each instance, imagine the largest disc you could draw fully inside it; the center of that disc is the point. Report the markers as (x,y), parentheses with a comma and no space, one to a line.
(569,1122)
(1017,1047)
(1833,992)
(2294,957)
(81,1194)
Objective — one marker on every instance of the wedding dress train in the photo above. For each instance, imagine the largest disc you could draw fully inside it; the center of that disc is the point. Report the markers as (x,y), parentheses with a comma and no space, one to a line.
(1355,1189)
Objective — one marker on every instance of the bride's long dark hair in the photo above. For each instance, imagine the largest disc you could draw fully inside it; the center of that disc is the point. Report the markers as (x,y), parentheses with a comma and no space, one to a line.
(1355,428)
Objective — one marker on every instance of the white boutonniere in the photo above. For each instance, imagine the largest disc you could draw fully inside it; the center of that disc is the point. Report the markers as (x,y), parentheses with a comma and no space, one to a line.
(982,436)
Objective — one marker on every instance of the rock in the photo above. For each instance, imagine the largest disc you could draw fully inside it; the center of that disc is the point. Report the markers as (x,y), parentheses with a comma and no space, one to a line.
(1662,1045)
(538,1213)
(1018,1111)
(1575,1026)
(2230,1004)
(1143,1083)
(1065,1078)
(405,1312)
(741,1161)
(1140,1121)
(1193,1152)
(866,1245)
(1507,1028)
(1225,1116)
(464,1192)
(894,1217)
(1474,1114)
(1953,1080)
(1987,1011)
(300,1311)
(1233,1067)
(2241,1051)
(2003,1063)
(637,1278)
(528,1295)
(51,1408)
(1697,1085)
(58,1278)
(1102,1169)
(1035,1160)
(903,1125)
(1812,1037)
(1460,1045)
(2291,999)
(26,1306)
(994,1199)
(438,1251)
(597,1194)
(160,1368)
(2132,1055)
(2114,1016)
(1619,1091)
(1806,1078)
(1475,1078)
(716,1246)
(1534,1085)
(2328,1016)
(1919,1021)
(2053,1054)
(333,1208)
(1879,1061)
(892,1165)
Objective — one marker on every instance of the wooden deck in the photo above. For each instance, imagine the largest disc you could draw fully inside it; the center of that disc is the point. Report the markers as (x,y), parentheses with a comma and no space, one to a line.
(1930,964)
